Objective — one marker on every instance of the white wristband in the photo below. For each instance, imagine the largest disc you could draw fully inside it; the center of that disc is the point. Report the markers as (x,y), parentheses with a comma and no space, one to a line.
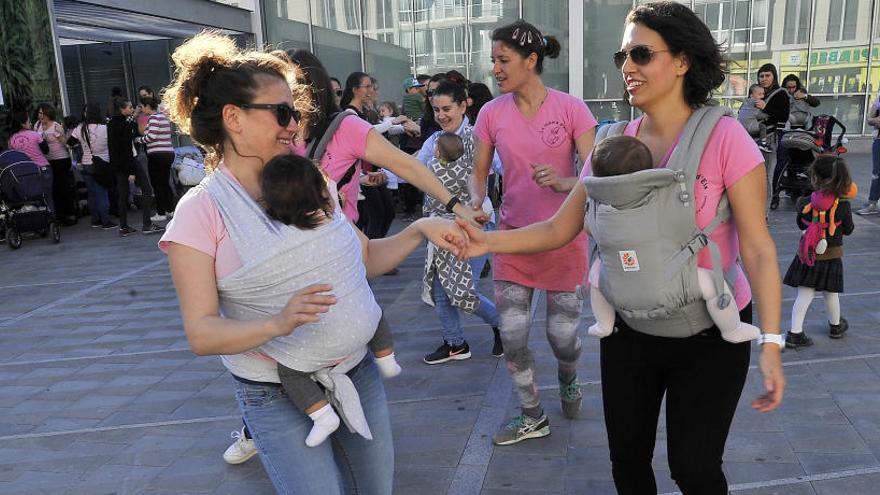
(772,338)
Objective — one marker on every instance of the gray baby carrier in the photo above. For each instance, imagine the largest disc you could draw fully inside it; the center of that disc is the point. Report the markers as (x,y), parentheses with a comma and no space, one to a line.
(644,227)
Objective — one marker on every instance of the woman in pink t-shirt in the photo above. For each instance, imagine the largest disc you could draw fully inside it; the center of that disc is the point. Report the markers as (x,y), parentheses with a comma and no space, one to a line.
(670,65)
(537,133)
(28,142)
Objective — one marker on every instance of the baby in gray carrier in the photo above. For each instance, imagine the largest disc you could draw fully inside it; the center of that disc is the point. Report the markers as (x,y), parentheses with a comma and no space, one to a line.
(448,148)
(621,155)
(751,118)
(295,193)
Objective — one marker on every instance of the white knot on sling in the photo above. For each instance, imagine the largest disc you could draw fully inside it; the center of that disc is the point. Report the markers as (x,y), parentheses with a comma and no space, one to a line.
(278,260)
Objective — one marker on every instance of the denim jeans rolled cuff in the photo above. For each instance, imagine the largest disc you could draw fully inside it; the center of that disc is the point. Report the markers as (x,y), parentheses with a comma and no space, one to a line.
(99,202)
(874,193)
(346,463)
(450,319)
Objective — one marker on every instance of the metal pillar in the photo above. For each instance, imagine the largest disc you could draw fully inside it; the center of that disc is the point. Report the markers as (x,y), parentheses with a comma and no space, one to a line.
(576,48)
(59,63)
(867,109)
(360,6)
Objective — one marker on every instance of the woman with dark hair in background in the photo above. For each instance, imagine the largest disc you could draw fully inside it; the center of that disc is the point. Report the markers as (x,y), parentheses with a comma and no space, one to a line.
(56,136)
(92,136)
(478,95)
(23,138)
(121,133)
(776,106)
(536,131)
(160,157)
(428,125)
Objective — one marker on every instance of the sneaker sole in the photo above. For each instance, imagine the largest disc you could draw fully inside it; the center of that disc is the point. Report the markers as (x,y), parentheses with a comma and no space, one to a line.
(838,336)
(457,357)
(240,459)
(543,432)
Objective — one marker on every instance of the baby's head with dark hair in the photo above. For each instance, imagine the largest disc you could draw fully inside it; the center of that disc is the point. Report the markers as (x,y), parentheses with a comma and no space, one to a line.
(450,147)
(295,192)
(620,155)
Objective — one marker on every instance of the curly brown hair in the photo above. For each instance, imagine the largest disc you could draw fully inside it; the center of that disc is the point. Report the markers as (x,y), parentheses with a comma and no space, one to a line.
(212,72)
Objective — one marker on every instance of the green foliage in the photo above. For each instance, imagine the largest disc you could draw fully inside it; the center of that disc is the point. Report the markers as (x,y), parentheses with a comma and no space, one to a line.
(27,64)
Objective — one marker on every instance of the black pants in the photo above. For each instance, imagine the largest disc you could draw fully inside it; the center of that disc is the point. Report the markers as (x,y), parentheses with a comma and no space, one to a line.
(702,378)
(411,198)
(63,193)
(378,210)
(160,176)
(122,193)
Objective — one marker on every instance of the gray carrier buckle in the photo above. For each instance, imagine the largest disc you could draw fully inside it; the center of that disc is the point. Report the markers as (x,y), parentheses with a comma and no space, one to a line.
(699,241)
(581,292)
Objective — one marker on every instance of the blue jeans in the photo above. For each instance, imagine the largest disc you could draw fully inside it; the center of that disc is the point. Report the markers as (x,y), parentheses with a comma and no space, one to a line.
(99,201)
(874,193)
(453,332)
(781,161)
(345,463)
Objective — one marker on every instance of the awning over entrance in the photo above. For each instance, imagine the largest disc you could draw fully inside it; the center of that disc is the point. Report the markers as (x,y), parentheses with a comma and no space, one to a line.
(113,21)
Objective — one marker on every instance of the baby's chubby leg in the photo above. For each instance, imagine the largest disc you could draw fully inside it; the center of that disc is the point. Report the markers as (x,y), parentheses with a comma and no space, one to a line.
(602,309)
(382,346)
(727,319)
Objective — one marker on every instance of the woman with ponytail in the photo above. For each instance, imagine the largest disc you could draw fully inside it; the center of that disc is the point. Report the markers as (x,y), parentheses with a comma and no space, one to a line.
(536,131)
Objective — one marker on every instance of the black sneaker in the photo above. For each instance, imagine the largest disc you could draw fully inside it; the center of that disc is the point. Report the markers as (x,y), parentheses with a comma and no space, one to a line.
(795,340)
(126,231)
(838,330)
(109,225)
(497,347)
(487,270)
(96,225)
(153,229)
(447,352)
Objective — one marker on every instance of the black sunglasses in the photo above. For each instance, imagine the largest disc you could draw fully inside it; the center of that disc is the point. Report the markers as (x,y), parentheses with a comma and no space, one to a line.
(338,92)
(283,112)
(429,93)
(640,55)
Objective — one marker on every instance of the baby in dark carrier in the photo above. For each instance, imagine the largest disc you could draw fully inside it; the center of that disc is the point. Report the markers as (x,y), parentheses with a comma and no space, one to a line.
(621,155)
(295,193)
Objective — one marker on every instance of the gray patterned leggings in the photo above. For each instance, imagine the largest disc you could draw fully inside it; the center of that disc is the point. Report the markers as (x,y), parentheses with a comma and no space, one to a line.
(563,312)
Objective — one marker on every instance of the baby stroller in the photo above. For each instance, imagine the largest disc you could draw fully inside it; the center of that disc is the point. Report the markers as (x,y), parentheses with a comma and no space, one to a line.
(803,146)
(23,206)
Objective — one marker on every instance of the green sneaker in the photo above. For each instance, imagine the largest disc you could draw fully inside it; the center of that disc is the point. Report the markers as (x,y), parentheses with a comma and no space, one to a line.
(521,428)
(571,397)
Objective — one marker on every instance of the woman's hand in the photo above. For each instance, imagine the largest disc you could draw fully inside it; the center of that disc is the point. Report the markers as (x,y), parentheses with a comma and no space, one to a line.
(770,365)
(475,215)
(474,244)
(305,306)
(443,233)
(546,176)
(412,128)
(760,104)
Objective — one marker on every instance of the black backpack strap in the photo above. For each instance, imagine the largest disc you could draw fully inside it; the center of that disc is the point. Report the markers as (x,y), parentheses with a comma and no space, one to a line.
(318,146)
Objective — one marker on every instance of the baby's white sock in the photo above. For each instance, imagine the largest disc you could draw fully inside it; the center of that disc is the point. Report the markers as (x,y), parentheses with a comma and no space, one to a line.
(326,422)
(597,330)
(388,366)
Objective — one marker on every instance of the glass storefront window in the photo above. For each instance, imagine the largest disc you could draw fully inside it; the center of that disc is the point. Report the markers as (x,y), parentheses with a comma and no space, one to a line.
(551,18)
(287,24)
(388,47)
(610,110)
(440,36)
(603,29)
(850,110)
(336,30)
(485,16)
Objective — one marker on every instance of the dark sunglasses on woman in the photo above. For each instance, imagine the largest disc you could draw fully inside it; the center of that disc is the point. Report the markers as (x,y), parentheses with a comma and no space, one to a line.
(640,55)
(283,112)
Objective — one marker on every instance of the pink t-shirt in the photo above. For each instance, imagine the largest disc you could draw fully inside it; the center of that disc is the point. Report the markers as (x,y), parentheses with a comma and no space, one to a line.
(729,155)
(28,142)
(347,147)
(547,138)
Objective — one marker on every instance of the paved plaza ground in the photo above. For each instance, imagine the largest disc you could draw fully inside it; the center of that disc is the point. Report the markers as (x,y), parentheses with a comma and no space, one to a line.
(101,395)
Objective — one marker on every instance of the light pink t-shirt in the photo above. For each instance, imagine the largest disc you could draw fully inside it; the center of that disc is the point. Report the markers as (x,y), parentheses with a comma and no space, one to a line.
(347,147)
(28,142)
(547,138)
(729,155)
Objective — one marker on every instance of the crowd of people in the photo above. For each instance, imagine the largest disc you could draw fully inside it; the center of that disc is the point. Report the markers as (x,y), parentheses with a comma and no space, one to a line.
(271,253)
(121,156)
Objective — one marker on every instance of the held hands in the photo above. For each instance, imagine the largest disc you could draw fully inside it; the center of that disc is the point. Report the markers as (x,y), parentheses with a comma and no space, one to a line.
(770,365)
(305,306)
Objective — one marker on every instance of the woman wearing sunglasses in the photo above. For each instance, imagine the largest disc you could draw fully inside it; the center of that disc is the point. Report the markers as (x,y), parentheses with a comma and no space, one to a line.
(670,64)
(536,132)
(224,252)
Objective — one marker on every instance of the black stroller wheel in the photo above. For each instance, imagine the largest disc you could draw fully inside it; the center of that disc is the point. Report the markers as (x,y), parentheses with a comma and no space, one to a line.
(55,229)
(13,238)
(774,202)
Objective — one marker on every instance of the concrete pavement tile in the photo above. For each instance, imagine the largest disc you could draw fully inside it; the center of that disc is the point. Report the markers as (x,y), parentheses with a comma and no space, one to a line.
(64,424)
(854,485)
(423,480)
(747,446)
(531,473)
(747,472)
(828,439)
(807,411)
(36,483)
(437,450)
(794,489)
(194,473)
(249,488)
(817,463)
(593,487)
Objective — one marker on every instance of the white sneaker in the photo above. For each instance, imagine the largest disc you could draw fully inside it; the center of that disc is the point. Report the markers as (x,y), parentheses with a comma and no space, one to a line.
(158,218)
(869,209)
(241,449)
